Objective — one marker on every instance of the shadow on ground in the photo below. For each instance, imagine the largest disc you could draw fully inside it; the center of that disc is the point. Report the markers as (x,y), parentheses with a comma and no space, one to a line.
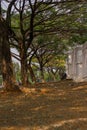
(50,106)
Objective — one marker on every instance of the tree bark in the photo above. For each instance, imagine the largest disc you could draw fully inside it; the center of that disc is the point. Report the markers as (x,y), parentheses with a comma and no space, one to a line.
(24,73)
(24,68)
(32,73)
(42,74)
(9,81)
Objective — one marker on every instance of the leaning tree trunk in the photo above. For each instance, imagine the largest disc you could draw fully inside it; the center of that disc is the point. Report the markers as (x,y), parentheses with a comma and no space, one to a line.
(9,81)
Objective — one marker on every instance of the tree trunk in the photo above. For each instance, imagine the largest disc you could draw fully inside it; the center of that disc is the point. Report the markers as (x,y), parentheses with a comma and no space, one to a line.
(42,74)
(50,75)
(24,68)
(9,81)
(24,73)
(54,77)
(32,73)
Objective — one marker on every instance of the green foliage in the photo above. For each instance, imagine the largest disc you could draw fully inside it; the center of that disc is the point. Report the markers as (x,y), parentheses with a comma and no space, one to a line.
(52,28)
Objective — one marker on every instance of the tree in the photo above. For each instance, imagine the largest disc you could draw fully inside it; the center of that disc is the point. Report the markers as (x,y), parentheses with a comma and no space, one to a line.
(33,18)
(56,67)
(41,17)
(30,17)
(46,48)
(9,82)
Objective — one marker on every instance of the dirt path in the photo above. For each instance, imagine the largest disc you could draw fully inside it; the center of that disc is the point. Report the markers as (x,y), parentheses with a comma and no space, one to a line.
(54,106)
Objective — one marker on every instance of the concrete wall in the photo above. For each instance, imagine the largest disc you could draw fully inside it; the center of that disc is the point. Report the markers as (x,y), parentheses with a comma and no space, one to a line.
(76,64)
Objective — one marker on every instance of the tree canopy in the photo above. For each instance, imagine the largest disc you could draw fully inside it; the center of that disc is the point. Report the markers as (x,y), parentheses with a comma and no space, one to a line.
(42,30)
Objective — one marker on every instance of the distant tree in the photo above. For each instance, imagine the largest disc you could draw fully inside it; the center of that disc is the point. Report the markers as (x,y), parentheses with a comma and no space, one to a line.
(46,50)
(56,67)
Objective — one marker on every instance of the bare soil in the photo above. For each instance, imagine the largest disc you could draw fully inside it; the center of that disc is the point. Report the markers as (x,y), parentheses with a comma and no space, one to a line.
(48,106)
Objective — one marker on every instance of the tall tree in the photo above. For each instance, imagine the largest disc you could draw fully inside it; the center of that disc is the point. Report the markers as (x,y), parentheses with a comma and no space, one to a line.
(9,82)
(41,17)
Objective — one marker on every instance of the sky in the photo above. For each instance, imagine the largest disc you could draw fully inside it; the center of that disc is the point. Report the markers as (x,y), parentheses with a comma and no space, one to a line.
(13,50)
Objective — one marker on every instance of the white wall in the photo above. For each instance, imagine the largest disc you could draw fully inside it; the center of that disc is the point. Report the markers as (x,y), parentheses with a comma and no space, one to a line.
(77,63)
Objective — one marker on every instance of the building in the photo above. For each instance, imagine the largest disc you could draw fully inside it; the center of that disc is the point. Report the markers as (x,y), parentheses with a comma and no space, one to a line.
(76,64)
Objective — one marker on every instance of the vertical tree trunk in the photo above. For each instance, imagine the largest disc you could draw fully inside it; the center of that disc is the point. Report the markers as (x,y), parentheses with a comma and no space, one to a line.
(24,68)
(9,82)
(49,74)
(24,73)
(42,74)
(32,73)
(54,77)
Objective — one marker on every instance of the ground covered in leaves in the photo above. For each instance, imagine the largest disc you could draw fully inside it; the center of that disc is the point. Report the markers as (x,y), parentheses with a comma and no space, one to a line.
(49,106)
